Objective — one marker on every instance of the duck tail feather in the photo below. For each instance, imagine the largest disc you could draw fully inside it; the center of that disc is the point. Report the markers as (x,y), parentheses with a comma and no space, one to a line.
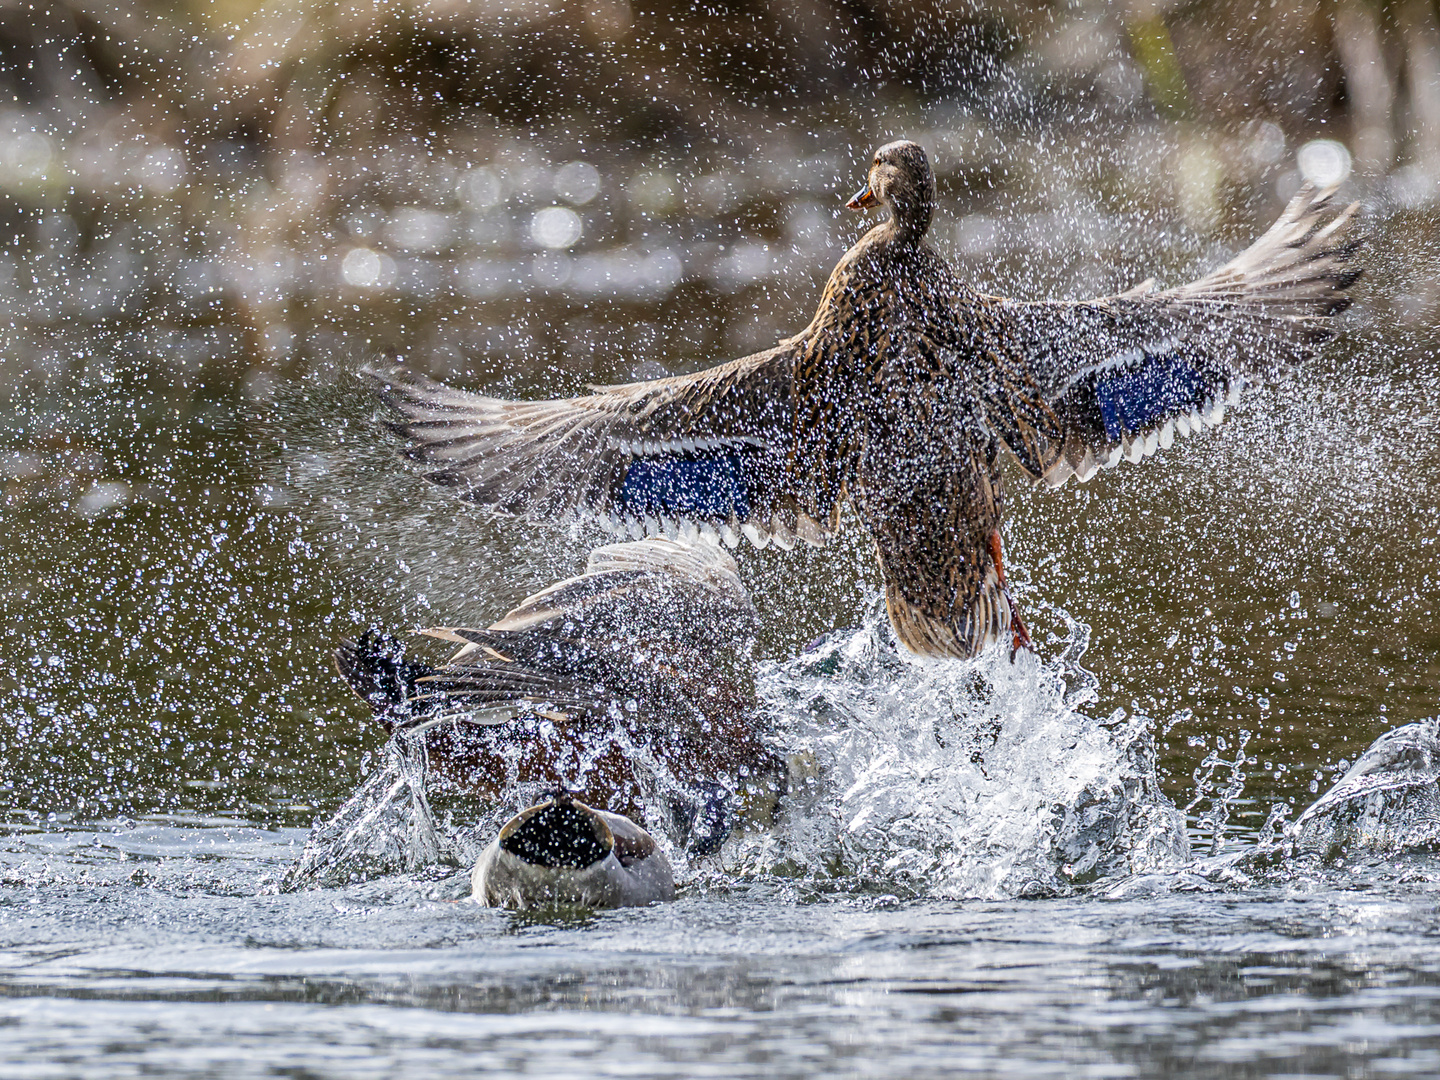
(961,635)
(375,666)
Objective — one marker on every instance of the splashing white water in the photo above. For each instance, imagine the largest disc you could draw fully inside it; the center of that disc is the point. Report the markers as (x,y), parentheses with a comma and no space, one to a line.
(385,827)
(935,778)
(949,779)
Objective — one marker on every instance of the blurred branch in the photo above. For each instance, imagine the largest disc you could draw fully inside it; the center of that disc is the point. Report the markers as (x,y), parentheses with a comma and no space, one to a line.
(1422,49)
(1368,85)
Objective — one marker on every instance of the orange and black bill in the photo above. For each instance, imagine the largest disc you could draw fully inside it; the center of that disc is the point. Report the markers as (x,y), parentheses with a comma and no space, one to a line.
(862,199)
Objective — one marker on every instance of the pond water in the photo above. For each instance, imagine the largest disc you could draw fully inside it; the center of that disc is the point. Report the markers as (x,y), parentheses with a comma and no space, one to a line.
(145,951)
(197,505)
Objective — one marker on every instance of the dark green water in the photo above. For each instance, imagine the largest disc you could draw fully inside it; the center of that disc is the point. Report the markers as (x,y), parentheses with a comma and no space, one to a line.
(197,505)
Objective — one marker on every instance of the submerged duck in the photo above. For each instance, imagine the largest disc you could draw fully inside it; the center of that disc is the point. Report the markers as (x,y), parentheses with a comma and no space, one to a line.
(899,396)
(563,852)
(629,687)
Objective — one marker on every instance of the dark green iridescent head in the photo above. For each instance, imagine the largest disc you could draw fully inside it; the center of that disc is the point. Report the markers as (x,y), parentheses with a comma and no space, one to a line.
(561,834)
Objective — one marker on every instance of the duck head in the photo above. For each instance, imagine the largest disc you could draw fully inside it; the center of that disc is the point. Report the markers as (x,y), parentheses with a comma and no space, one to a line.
(901,178)
(562,852)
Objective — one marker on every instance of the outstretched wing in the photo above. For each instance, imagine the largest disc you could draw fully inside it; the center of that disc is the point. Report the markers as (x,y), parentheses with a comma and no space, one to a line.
(659,621)
(657,589)
(490,692)
(410,694)
(1125,374)
(709,450)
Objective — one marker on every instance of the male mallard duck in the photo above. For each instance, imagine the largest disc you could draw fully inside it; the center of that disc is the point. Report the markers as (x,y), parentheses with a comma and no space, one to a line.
(563,852)
(632,675)
(899,395)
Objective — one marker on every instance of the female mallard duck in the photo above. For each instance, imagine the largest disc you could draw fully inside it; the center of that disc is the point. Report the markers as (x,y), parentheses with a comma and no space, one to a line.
(563,852)
(628,686)
(899,395)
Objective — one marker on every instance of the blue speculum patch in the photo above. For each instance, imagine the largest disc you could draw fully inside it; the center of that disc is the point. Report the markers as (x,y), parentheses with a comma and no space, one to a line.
(702,487)
(1134,398)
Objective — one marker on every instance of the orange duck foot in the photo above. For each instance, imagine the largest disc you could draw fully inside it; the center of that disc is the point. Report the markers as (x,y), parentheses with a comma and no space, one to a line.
(1019,636)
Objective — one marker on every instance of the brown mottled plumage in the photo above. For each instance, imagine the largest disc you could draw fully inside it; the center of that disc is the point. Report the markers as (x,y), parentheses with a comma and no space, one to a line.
(899,395)
(594,685)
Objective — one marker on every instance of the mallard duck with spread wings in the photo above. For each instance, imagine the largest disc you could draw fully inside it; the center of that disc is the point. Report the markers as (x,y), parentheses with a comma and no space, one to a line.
(628,686)
(899,396)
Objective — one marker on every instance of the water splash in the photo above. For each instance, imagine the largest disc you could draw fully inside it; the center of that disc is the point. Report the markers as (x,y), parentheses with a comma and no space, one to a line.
(1388,802)
(942,779)
(938,779)
(385,827)
(950,779)
(1215,818)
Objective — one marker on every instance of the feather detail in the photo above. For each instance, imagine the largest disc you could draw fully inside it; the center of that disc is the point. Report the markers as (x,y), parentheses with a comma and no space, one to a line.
(699,449)
(1145,363)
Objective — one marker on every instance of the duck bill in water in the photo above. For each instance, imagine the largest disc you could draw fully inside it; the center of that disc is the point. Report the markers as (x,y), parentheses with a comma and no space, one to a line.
(562,852)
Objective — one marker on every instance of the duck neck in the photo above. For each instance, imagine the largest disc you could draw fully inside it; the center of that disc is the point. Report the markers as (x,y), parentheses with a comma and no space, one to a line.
(910,221)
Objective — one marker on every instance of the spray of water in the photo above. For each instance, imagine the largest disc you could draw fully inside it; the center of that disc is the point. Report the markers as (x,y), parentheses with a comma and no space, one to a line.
(944,779)
(938,779)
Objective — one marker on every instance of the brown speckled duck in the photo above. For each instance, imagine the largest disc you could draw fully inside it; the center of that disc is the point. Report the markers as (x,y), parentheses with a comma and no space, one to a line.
(629,686)
(899,396)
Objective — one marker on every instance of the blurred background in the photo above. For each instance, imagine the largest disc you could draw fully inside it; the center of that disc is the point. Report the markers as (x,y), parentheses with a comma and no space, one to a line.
(211,213)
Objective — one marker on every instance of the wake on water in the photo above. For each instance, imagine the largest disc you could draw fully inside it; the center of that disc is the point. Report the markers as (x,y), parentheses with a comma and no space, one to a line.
(931,778)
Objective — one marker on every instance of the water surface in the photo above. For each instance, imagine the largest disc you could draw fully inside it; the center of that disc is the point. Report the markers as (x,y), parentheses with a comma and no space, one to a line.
(127,953)
(197,504)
